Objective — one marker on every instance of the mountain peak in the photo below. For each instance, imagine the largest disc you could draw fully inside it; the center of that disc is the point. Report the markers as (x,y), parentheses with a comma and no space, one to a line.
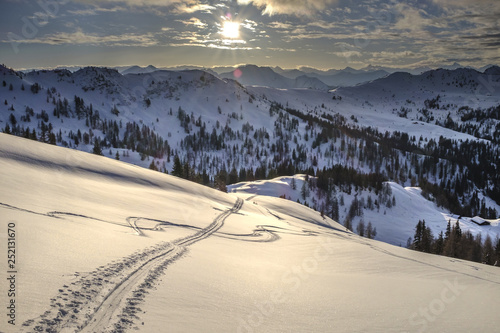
(493,70)
(139,70)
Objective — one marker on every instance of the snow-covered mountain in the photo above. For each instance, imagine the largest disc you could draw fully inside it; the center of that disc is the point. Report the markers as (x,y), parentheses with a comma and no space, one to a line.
(335,78)
(104,246)
(139,70)
(348,79)
(422,69)
(438,130)
(265,76)
(466,82)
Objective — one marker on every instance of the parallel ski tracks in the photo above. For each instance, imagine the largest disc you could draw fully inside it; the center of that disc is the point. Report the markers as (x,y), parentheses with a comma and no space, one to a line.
(113,302)
(212,228)
(114,308)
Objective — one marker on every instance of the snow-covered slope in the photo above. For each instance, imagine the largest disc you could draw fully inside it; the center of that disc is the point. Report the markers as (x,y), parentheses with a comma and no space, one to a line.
(105,246)
(394,223)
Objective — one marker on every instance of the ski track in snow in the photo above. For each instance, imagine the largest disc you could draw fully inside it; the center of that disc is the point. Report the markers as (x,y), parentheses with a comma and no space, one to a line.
(106,300)
(260,235)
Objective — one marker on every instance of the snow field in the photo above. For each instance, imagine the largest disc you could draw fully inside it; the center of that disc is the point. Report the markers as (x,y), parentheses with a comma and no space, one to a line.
(265,265)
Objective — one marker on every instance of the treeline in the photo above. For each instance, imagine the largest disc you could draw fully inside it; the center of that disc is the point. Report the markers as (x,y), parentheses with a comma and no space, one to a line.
(346,177)
(459,169)
(456,244)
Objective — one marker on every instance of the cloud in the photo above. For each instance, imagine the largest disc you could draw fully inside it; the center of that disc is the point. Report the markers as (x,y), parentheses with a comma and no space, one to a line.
(249,24)
(294,7)
(186,8)
(281,25)
(323,24)
(280,49)
(194,21)
(79,37)
(139,3)
(474,7)
(178,6)
(269,7)
(95,11)
(347,54)
(465,3)
(416,20)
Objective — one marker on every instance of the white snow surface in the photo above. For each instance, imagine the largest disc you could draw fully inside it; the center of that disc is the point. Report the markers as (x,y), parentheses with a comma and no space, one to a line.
(227,262)
(394,224)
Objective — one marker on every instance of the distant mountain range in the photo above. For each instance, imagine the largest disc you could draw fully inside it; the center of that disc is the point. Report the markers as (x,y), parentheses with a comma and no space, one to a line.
(302,77)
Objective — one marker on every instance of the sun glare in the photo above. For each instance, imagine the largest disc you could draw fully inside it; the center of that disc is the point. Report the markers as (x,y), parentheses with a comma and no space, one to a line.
(231,29)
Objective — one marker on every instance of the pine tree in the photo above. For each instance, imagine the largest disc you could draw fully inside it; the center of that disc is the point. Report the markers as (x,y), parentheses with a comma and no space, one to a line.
(153,166)
(178,169)
(458,237)
(417,238)
(497,251)
(409,243)
(52,139)
(335,209)
(348,223)
(233,176)
(7,129)
(427,238)
(474,251)
(369,202)
(488,251)
(304,191)
(458,231)
(439,244)
(448,230)
(13,120)
(360,228)
(186,171)
(452,247)
(371,231)
(97,148)
(220,181)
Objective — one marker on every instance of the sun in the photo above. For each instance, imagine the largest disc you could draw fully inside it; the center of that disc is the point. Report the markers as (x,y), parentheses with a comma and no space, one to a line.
(231,29)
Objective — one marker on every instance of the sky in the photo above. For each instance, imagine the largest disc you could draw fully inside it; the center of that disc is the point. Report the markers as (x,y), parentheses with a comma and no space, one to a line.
(287,33)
